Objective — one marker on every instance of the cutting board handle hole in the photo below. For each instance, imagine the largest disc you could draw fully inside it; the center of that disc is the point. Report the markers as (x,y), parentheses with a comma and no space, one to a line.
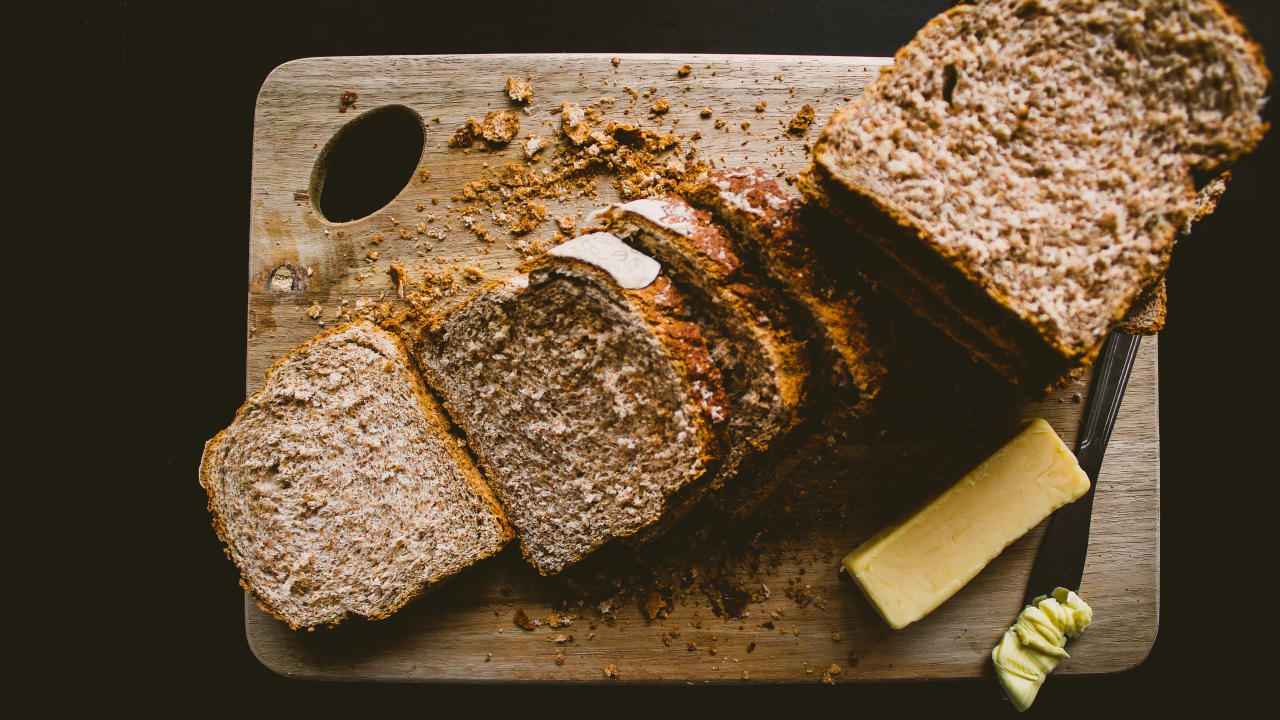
(367,163)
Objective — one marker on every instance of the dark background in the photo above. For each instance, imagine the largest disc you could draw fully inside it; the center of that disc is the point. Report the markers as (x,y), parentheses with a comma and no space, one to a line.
(154,135)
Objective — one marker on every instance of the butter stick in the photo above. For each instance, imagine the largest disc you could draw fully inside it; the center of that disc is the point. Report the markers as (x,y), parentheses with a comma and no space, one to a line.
(909,569)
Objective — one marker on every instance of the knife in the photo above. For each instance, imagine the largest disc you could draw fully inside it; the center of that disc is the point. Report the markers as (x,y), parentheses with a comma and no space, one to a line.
(1060,560)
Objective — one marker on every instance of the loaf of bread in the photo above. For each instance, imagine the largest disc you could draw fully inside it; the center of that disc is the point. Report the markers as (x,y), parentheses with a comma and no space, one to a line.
(589,405)
(1027,164)
(339,488)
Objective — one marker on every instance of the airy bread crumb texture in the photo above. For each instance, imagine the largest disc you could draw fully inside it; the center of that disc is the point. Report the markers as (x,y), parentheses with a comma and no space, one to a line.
(339,489)
(1046,148)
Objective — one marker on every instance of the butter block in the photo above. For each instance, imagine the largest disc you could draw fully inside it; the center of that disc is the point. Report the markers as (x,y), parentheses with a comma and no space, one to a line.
(909,569)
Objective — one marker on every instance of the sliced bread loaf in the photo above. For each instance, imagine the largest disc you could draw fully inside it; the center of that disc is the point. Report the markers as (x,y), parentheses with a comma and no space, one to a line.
(1028,163)
(589,405)
(339,488)
(750,327)
(790,245)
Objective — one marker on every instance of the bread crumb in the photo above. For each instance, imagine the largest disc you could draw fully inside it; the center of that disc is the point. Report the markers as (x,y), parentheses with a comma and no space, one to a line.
(560,658)
(472,273)
(423,174)
(802,120)
(534,145)
(616,62)
(346,100)
(660,107)
(835,636)
(760,106)
(746,675)
(830,672)
(314,310)
(610,671)
(684,70)
(488,657)
(566,223)
(524,621)
(721,122)
(746,124)
(519,90)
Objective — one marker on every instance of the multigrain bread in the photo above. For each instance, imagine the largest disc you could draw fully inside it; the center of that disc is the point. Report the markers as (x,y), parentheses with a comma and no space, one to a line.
(588,405)
(751,329)
(339,488)
(788,242)
(1027,164)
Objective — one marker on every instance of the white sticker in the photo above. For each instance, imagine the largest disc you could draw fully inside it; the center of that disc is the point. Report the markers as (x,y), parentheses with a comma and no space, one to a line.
(631,268)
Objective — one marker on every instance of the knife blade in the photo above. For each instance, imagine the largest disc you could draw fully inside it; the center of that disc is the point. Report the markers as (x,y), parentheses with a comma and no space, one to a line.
(1060,560)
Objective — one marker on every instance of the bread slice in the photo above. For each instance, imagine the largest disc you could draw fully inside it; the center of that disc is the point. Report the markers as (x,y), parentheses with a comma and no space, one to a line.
(750,327)
(339,488)
(816,271)
(1027,164)
(588,405)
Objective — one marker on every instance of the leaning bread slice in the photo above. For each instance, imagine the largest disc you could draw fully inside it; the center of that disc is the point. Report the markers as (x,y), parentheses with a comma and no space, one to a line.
(1027,164)
(339,488)
(750,327)
(818,275)
(588,402)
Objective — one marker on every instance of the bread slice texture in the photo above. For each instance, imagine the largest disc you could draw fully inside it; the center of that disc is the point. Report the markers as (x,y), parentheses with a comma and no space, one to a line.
(817,272)
(588,406)
(751,329)
(1027,164)
(340,490)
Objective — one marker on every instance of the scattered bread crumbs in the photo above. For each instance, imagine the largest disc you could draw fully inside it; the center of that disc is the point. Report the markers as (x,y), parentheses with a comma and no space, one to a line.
(373,255)
(488,657)
(610,671)
(498,128)
(835,636)
(560,658)
(566,223)
(746,675)
(423,174)
(557,620)
(524,621)
(705,112)
(660,106)
(346,100)
(746,124)
(519,90)
(314,310)
(721,122)
(760,106)
(562,638)
(616,62)
(802,120)
(829,672)
(684,70)
(472,273)
(751,647)
(691,646)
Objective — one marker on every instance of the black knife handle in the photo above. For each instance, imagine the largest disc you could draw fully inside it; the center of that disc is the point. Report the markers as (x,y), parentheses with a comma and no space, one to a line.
(1060,562)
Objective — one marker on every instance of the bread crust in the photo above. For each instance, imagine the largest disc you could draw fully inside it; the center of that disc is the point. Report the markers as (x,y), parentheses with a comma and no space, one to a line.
(857,336)
(430,410)
(696,247)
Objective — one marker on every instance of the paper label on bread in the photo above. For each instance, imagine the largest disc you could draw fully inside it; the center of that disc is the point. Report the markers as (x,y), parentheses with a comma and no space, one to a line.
(630,268)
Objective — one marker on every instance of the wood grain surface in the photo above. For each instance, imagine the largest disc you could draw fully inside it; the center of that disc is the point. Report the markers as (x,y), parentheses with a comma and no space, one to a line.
(813,617)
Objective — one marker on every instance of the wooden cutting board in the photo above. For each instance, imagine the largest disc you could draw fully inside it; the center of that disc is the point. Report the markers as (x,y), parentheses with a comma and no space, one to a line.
(302,265)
